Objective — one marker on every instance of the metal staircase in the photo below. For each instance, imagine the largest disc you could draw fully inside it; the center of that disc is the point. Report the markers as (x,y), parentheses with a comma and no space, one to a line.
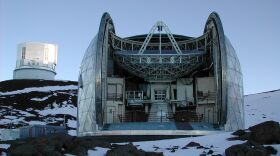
(160,112)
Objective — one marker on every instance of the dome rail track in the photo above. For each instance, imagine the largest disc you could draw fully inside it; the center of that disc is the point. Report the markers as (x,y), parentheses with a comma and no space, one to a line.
(199,44)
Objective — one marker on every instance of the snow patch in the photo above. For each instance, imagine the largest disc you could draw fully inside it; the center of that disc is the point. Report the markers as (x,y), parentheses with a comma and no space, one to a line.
(5,121)
(10,117)
(98,151)
(261,107)
(36,123)
(41,99)
(26,114)
(218,141)
(69,155)
(72,123)
(5,146)
(65,109)
(72,132)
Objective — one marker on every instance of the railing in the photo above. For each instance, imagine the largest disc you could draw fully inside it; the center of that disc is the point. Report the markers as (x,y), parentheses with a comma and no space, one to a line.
(33,63)
(134,95)
(161,116)
(183,103)
(134,116)
(206,96)
(114,97)
(180,103)
(199,43)
(188,116)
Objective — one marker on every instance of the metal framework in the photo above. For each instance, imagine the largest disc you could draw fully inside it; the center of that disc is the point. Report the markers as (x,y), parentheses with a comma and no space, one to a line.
(160,25)
(156,59)
(198,44)
(165,67)
(160,61)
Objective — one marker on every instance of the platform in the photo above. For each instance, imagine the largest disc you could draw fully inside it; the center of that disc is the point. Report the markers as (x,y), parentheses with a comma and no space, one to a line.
(167,128)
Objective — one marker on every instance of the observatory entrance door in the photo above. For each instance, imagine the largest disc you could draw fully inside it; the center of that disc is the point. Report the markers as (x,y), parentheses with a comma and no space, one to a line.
(111,112)
(160,94)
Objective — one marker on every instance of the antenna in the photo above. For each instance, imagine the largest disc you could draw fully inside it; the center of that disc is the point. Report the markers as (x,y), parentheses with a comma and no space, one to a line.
(159,30)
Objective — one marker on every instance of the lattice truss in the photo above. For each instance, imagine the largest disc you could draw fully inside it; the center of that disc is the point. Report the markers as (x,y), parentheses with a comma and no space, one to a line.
(172,61)
(160,68)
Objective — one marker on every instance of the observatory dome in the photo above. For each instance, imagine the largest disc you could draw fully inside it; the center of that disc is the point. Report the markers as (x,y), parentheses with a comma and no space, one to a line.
(36,61)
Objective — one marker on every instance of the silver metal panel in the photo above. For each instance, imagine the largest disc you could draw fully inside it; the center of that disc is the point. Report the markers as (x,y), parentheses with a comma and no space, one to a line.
(106,25)
(235,101)
(93,80)
(33,73)
(228,75)
(218,50)
(86,92)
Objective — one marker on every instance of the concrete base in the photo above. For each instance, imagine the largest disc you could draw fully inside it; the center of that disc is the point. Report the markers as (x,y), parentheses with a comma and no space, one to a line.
(33,73)
(153,132)
(156,129)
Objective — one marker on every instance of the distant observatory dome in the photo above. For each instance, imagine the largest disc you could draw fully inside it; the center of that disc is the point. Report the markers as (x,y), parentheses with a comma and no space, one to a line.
(36,61)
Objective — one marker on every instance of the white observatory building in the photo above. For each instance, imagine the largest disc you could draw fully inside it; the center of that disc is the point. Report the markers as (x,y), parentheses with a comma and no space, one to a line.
(36,61)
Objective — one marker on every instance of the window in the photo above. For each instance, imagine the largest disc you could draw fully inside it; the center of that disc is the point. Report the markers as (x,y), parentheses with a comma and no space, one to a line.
(23,51)
(175,93)
(114,92)
(160,94)
(46,54)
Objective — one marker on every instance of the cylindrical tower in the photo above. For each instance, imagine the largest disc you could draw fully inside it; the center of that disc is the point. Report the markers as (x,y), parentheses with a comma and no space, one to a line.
(36,61)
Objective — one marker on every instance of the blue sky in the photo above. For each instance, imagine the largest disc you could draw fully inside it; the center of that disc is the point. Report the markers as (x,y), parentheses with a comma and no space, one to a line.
(251,25)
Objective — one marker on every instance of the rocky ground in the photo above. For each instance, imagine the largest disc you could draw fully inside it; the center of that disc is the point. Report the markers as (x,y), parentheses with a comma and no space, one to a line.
(61,144)
(26,102)
(266,133)
(258,140)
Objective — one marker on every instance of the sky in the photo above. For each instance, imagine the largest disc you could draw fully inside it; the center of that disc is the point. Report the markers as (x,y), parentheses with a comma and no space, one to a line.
(252,26)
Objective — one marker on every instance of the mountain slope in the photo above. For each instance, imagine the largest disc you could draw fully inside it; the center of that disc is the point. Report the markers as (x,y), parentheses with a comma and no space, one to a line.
(262,107)
(27,102)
